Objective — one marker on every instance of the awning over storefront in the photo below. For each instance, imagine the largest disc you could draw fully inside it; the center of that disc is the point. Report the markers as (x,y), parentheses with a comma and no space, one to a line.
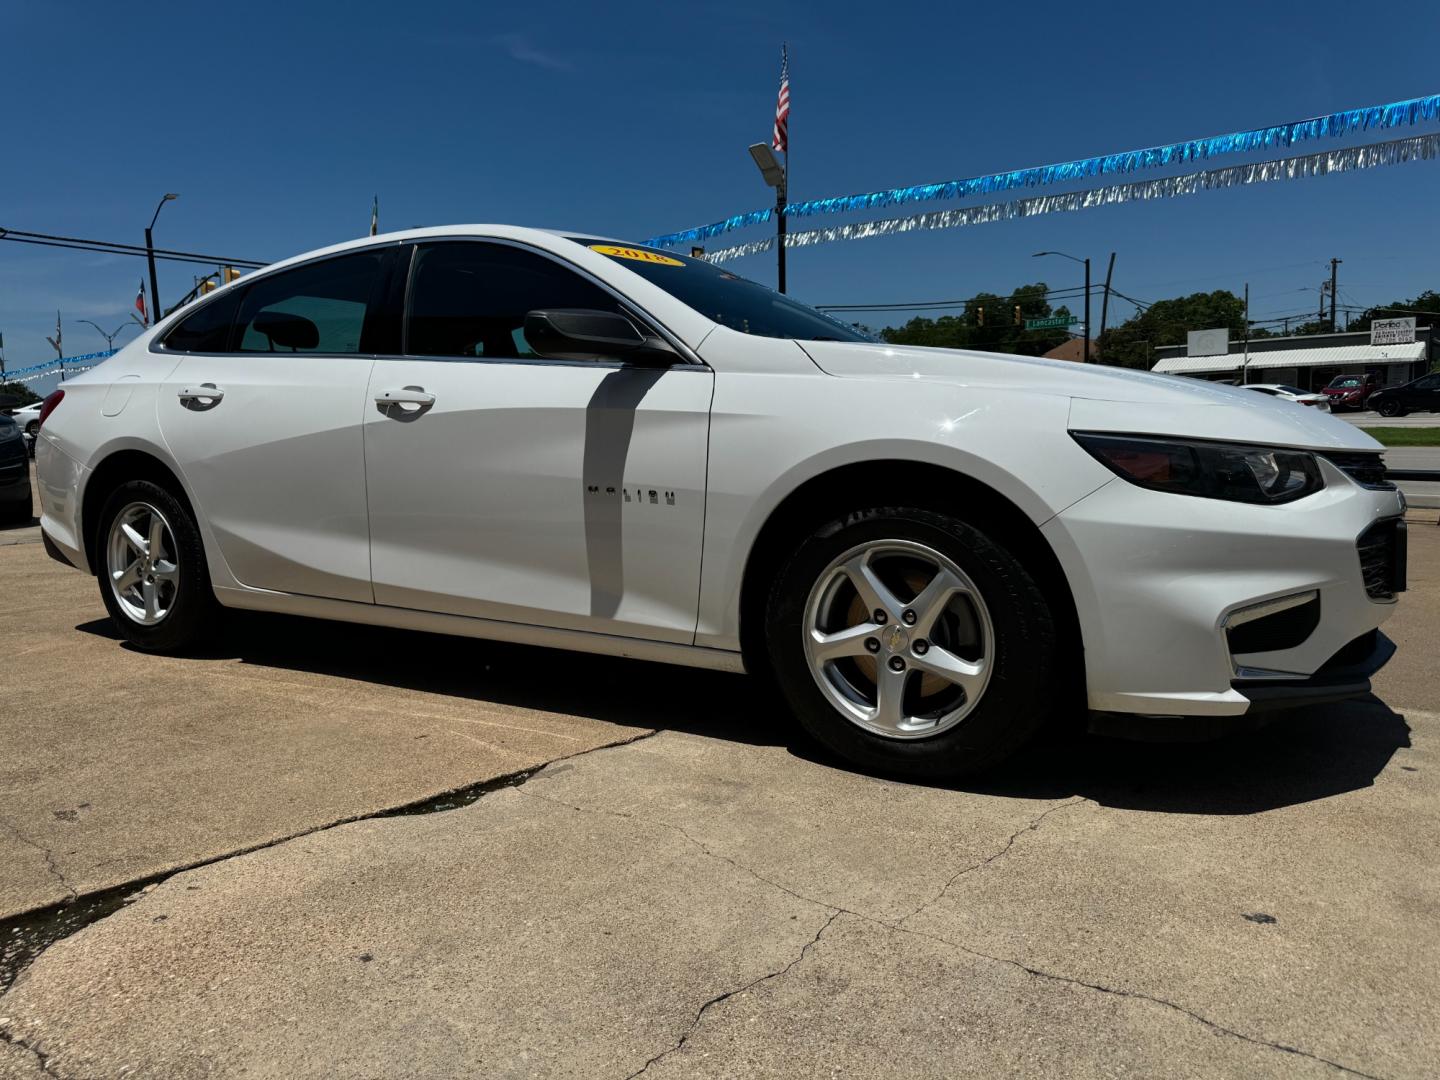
(1349,356)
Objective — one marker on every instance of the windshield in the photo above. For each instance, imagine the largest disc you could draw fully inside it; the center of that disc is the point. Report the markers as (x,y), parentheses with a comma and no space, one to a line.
(1290,389)
(1346,380)
(727,298)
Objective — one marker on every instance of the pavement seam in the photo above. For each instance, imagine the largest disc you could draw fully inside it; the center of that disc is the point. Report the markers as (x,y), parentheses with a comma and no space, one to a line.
(49,858)
(838,910)
(727,995)
(141,886)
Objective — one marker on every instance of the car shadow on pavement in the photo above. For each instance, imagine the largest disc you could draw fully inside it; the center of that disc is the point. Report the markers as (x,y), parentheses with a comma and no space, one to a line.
(1297,757)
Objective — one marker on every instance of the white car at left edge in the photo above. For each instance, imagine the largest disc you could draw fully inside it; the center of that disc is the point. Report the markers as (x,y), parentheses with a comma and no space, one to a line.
(574,442)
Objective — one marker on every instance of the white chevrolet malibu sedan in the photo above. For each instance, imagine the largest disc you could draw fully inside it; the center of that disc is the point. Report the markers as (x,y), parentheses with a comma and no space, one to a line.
(573,442)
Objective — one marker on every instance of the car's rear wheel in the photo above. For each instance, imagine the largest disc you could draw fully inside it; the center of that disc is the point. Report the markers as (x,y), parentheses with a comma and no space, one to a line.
(32,428)
(152,571)
(20,514)
(911,642)
(1389,408)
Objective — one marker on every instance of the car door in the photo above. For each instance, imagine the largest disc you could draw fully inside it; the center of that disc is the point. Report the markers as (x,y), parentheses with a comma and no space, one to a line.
(1424,393)
(263,416)
(505,485)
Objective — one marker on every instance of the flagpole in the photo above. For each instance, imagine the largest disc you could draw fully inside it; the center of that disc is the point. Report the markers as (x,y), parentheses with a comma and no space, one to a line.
(782,193)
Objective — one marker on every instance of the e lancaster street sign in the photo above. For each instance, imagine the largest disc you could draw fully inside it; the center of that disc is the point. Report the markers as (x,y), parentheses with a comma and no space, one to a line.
(1054,322)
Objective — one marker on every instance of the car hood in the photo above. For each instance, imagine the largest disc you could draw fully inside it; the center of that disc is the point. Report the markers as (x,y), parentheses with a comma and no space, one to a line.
(1103,398)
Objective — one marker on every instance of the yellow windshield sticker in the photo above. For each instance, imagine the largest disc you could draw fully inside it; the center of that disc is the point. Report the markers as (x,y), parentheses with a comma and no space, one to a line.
(637,254)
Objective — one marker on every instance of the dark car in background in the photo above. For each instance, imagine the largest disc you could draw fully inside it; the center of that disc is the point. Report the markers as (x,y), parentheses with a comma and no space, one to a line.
(1351,391)
(1421,395)
(16,507)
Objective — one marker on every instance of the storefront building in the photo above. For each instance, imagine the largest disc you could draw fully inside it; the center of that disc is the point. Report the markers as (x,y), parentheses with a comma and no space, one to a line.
(1309,362)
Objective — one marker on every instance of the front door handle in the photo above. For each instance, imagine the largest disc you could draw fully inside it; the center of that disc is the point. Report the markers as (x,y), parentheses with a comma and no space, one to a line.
(411,395)
(205,396)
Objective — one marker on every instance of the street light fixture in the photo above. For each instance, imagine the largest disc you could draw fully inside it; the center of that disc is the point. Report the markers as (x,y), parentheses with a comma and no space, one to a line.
(150,255)
(109,336)
(1086,263)
(774,175)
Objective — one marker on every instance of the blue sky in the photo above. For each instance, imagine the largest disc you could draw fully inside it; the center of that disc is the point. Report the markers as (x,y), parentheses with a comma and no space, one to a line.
(277,123)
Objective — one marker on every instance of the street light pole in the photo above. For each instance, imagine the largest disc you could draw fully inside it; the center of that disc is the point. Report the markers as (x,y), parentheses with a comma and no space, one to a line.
(1086,263)
(110,336)
(150,256)
(774,175)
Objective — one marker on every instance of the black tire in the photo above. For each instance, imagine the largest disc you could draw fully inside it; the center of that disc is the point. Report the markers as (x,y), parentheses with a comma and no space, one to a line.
(193,611)
(32,428)
(1390,408)
(1025,683)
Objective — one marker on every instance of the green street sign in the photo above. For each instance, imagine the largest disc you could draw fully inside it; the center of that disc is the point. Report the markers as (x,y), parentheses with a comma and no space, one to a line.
(1055,322)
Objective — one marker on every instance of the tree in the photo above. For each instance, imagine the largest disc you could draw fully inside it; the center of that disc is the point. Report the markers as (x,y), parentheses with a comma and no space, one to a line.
(1427,302)
(1166,322)
(987,323)
(13,395)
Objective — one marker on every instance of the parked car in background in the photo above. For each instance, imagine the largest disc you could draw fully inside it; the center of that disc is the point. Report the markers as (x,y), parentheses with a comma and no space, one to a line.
(28,417)
(1351,391)
(517,434)
(1291,393)
(16,507)
(1421,395)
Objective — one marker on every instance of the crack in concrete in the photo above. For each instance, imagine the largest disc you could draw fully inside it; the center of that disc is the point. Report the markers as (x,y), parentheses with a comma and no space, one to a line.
(49,855)
(42,1059)
(718,998)
(1140,995)
(1034,824)
(896,925)
(80,910)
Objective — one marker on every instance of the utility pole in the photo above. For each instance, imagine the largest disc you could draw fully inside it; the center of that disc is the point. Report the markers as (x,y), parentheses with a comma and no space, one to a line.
(1105,300)
(1333,264)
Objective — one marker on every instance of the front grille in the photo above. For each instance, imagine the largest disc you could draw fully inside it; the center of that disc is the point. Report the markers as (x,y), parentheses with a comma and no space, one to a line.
(1382,550)
(1365,468)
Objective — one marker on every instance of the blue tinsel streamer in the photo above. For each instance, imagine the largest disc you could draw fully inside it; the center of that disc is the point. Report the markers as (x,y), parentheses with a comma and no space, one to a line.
(1396,114)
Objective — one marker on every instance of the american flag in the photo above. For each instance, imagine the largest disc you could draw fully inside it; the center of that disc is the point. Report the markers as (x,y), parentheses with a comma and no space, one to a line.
(140,304)
(781,139)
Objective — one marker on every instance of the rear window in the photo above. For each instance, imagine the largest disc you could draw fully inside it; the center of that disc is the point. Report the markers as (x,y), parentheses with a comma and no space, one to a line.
(727,298)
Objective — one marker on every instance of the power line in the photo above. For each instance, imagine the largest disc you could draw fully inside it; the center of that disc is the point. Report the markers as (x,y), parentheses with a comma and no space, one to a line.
(924,305)
(109,247)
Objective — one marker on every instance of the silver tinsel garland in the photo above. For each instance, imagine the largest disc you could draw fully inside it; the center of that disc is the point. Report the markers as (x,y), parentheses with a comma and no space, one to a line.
(1373,156)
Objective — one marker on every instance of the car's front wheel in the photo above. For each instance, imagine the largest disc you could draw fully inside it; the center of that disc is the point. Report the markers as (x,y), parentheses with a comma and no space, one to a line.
(152,570)
(911,642)
(1389,407)
(32,428)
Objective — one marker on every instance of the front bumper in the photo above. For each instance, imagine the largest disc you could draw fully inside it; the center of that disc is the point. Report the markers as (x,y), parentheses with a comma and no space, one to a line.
(1156,576)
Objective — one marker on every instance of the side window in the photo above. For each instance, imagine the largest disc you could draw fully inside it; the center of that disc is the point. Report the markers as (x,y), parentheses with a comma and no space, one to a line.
(469,299)
(1430,382)
(319,308)
(208,329)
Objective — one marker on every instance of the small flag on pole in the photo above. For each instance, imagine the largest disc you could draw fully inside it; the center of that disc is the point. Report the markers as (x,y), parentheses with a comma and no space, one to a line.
(781,139)
(375,217)
(140,304)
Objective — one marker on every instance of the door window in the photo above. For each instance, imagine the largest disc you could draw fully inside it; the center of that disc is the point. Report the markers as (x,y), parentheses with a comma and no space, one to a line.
(208,329)
(469,299)
(322,307)
(1429,382)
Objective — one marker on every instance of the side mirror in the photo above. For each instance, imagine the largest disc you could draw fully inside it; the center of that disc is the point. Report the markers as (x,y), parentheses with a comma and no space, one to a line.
(587,334)
(287,331)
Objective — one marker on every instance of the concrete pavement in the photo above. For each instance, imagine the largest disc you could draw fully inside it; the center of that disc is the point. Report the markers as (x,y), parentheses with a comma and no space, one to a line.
(717,899)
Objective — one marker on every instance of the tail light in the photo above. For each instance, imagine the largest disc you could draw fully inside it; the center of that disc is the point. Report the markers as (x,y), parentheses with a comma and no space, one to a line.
(48,406)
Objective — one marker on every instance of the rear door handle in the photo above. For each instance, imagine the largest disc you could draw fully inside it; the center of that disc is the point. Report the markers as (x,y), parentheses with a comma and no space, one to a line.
(411,395)
(204,394)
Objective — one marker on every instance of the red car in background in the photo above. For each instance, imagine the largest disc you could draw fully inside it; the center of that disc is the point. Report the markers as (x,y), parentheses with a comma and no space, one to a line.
(1351,391)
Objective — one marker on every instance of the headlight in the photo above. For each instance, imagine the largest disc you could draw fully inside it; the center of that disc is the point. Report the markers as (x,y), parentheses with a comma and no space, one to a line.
(1211,470)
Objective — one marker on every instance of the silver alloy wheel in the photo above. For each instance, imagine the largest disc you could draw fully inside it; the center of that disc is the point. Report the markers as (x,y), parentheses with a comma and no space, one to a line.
(885,612)
(142,563)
